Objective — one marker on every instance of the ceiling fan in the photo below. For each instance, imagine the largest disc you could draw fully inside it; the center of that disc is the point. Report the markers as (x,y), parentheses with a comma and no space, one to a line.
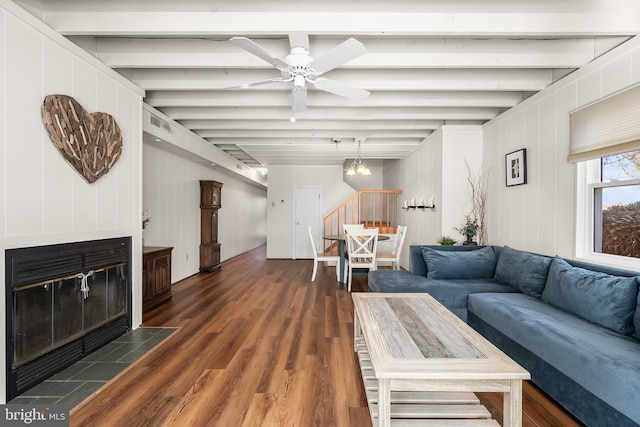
(299,67)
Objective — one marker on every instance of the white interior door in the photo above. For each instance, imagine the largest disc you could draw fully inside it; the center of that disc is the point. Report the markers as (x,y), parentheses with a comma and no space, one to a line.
(307,213)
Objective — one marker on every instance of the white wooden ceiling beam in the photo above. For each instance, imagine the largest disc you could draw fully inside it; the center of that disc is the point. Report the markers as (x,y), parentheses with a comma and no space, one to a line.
(310,125)
(381,53)
(428,79)
(608,21)
(274,136)
(347,145)
(336,114)
(171,101)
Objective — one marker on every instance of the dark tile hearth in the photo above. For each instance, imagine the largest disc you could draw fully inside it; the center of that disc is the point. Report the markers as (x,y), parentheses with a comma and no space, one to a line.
(74,384)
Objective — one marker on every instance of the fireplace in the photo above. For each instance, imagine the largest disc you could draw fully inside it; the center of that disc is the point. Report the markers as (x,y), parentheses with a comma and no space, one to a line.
(63,302)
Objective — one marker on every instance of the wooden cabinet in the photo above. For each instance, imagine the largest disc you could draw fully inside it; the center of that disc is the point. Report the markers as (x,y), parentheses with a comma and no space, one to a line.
(156,276)
(210,203)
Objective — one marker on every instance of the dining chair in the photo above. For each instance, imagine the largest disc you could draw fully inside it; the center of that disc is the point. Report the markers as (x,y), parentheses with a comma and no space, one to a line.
(346,228)
(330,256)
(362,244)
(394,255)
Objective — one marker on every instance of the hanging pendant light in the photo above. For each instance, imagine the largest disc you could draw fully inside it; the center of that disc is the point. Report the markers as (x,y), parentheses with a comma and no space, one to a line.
(358,167)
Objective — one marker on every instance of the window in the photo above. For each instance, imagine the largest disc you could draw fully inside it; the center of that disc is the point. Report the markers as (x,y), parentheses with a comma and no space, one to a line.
(605,145)
(617,206)
(608,220)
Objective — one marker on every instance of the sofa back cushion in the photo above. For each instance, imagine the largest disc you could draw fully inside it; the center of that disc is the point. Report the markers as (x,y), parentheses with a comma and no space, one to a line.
(523,271)
(476,264)
(417,264)
(607,300)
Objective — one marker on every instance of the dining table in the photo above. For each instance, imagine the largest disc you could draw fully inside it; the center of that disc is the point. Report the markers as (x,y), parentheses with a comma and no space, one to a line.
(341,239)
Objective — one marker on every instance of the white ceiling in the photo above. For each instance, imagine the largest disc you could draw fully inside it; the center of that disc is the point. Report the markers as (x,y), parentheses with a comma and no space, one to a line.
(428,63)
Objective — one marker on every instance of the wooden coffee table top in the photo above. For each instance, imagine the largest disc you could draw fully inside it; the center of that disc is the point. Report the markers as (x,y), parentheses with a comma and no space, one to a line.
(413,336)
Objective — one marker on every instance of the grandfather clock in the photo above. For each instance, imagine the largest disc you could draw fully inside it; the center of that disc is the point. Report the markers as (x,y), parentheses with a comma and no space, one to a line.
(210,202)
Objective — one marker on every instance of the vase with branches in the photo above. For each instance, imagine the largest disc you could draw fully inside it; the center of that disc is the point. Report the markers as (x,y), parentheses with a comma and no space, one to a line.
(478,194)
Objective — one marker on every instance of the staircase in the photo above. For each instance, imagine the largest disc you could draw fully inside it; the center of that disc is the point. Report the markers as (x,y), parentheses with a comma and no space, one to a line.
(373,208)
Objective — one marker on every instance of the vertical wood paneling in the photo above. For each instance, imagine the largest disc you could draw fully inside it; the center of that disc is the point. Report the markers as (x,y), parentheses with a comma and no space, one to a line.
(548,182)
(3,146)
(549,218)
(616,75)
(128,169)
(107,186)
(46,201)
(507,192)
(172,196)
(565,195)
(419,175)
(57,198)
(531,218)
(490,153)
(635,65)
(517,200)
(24,206)
(85,197)
(589,87)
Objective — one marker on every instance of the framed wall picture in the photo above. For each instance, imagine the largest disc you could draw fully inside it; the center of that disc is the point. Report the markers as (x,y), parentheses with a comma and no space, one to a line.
(516,167)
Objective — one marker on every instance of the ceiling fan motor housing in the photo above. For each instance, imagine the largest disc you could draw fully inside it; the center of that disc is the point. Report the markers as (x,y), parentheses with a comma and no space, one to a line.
(298,60)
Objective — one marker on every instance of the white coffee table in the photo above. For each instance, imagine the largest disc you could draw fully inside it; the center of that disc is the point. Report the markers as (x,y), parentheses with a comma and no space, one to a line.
(410,343)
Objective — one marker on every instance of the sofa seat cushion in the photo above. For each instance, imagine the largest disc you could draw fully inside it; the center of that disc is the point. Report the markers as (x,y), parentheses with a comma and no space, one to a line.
(602,361)
(395,281)
(605,299)
(522,270)
(450,293)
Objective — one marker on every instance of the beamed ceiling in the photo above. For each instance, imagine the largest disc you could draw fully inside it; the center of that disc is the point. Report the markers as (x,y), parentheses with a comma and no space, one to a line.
(427,63)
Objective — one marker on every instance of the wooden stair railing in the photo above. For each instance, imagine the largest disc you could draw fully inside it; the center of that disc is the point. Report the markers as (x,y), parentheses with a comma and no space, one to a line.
(373,208)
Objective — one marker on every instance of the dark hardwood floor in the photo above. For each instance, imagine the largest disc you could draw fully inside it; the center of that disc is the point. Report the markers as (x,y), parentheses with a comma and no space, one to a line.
(259,344)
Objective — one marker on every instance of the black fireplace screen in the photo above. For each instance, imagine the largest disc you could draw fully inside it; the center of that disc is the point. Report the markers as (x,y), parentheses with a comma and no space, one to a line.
(63,311)
(63,302)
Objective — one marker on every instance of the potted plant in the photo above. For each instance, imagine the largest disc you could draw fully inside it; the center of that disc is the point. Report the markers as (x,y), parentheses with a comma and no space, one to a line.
(145,223)
(469,229)
(447,241)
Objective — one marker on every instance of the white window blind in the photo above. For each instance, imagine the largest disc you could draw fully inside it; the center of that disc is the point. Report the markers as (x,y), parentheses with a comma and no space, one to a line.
(609,126)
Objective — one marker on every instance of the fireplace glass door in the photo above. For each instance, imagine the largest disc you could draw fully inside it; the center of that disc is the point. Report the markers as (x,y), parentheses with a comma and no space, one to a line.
(66,309)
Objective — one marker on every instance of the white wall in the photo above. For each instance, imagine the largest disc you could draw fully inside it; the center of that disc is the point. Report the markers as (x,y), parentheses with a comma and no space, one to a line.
(436,169)
(540,216)
(171,194)
(461,146)
(42,199)
(283,181)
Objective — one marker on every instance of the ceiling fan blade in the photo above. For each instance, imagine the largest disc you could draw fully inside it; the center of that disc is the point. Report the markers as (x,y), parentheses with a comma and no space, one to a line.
(258,83)
(299,99)
(252,47)
(341,89)
(344,52)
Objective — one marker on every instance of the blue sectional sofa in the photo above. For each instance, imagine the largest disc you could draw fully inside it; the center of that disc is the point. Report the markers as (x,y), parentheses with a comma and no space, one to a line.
(574,326)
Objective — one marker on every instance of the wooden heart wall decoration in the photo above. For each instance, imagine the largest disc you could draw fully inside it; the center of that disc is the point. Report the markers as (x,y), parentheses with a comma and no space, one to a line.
(91,143)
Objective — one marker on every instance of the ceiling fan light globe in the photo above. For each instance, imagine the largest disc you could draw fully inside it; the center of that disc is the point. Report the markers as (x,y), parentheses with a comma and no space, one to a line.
(351,171)
(298,82)
(361,169)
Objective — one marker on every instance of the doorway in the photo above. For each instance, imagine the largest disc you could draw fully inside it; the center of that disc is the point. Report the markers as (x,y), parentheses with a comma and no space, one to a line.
(307,213)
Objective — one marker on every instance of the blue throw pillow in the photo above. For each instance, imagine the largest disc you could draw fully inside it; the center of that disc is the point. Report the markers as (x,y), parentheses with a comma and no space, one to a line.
(607,300)
(476,264)
(523,271)
(636,319)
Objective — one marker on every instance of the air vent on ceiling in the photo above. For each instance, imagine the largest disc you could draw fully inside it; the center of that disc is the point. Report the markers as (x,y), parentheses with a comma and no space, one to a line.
(159,123)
